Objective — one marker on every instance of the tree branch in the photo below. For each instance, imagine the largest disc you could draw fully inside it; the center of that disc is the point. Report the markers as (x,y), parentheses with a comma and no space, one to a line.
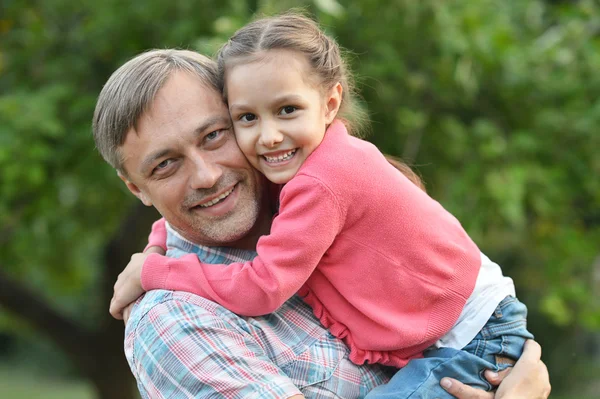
(26,304)
(131,237)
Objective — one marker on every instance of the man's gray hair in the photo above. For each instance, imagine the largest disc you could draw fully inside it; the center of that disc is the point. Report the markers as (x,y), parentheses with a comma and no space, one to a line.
(130,92)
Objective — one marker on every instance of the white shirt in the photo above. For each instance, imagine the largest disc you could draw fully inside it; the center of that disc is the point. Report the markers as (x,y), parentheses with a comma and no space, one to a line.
(491,288)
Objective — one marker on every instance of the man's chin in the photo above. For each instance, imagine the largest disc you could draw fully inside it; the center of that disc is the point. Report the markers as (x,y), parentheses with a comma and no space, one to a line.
(222,231)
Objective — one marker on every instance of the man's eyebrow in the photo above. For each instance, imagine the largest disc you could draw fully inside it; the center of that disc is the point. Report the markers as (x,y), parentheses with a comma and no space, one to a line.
(215,120)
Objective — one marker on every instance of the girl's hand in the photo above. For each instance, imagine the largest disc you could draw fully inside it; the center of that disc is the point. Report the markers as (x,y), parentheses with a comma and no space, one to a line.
(128,287)
(528,379)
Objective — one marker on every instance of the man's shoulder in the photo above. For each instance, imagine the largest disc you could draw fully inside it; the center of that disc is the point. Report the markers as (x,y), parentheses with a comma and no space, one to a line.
(163,305)
(146,303)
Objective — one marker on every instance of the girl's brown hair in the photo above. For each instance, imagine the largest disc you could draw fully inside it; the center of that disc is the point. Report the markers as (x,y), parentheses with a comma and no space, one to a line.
(295,32)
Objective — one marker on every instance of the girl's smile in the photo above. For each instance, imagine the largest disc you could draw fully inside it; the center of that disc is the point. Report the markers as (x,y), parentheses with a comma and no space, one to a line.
(279,113)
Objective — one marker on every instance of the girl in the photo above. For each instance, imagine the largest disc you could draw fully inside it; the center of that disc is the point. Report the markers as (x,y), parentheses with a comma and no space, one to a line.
(384,266)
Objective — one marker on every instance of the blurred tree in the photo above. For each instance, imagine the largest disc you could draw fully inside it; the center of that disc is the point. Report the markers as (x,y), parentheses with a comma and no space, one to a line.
(67,227)
(496,103)
(499,104)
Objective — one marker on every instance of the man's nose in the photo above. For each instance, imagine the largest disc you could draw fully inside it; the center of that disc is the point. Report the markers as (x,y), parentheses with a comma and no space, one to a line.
(205,174)
(270,136)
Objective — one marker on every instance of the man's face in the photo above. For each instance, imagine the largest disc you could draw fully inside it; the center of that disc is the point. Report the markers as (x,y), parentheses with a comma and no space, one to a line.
(183,159)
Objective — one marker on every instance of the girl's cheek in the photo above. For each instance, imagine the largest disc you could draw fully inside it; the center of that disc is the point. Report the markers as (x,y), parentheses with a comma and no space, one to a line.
(246,146)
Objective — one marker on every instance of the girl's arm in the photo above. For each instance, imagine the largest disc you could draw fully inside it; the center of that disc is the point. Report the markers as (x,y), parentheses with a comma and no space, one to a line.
(158,235)
(309,220)
(307,225)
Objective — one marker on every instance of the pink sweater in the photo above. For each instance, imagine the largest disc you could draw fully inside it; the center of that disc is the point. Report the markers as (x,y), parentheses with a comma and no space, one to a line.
(385,267)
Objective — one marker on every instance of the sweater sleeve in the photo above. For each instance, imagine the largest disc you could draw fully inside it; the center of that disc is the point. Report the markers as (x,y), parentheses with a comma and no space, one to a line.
(308,222)
(158,235)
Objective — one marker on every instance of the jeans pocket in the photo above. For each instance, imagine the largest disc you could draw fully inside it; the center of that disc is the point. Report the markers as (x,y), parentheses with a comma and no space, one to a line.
(501,340)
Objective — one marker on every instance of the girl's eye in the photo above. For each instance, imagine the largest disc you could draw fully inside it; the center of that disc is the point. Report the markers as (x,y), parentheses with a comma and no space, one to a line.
(288,109)
(247,117)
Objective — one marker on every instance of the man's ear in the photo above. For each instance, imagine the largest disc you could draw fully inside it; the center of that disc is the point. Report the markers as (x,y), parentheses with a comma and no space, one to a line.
(135,190)
(334,101)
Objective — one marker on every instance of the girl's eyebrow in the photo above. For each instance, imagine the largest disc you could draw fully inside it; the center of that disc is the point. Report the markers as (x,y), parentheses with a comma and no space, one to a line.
(237,107)
(286,98)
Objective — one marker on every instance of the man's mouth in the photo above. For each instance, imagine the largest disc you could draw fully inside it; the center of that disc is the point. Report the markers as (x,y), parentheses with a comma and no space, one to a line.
(218,199)
(284,156)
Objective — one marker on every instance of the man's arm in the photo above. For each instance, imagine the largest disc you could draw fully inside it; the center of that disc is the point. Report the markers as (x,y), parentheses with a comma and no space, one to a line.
(181,349)
(528,379)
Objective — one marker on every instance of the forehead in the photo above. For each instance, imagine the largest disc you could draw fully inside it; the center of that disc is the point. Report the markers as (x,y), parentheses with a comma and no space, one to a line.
(267,66)
(182,96)
(180,108)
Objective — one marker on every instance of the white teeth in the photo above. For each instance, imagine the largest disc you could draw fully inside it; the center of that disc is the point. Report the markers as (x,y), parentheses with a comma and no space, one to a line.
(283,157)
(218,199)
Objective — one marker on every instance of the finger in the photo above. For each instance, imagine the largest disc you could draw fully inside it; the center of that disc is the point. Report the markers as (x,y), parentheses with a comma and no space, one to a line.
(546,377)
(532,352)
(116,314)
(110,306)
(118,284)
(496,377)
(462,391)
(116,309)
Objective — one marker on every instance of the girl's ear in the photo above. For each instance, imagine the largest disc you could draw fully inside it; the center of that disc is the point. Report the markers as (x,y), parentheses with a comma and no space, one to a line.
(334,101)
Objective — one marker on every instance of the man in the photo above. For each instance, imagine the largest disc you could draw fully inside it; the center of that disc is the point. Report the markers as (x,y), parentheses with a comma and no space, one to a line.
(161,122)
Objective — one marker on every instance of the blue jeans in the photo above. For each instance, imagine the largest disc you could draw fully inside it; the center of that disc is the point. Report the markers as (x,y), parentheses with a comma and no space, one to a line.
(496,347)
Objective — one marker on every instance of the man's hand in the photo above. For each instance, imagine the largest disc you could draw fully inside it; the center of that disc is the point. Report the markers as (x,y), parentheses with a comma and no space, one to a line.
(128,287)
(528,379)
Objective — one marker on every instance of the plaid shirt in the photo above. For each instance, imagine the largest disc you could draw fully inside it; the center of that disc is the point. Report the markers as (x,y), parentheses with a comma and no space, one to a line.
(180,345)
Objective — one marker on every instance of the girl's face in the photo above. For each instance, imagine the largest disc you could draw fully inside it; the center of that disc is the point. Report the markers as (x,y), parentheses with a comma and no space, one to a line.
(278,113)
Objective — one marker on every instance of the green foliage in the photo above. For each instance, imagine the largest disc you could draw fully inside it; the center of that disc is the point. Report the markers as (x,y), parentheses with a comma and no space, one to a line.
(59,200)
(24,385)
(495,103)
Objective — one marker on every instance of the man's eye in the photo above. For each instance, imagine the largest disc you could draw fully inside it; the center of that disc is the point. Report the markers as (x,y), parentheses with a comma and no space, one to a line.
(288,109)
(164,164)
(248,117)
(213,135)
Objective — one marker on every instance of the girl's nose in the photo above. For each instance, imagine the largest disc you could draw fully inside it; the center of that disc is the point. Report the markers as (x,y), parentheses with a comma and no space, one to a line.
(270,137)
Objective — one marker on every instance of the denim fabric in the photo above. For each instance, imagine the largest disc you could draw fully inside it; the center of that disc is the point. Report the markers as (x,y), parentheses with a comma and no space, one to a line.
(502,337)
